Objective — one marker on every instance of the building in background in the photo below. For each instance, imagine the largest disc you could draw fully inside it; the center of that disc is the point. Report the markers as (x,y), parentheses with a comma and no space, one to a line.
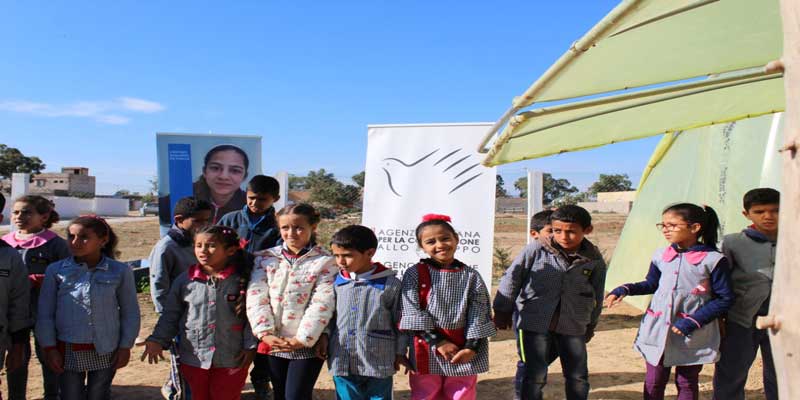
(71,181)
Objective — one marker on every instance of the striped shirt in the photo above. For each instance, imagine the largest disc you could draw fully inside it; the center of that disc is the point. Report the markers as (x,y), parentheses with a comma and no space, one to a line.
(364,336)
(458,300)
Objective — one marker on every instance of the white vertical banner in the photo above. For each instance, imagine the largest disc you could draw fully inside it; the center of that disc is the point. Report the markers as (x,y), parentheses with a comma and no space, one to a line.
(413,170)
(535,196)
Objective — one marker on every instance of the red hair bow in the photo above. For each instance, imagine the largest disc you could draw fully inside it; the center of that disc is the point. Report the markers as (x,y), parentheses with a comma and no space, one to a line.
(436,217)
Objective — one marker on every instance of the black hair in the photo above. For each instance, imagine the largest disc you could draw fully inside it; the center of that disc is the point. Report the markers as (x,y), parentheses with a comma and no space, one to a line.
(355,237)
(705,216)
(572,214)
(761,196)
(2,202)
(434,222)
(102,229)
(242,260)
(188,207)
(264,184)
(540,220)
(304,209)
(42,206)
(226,147)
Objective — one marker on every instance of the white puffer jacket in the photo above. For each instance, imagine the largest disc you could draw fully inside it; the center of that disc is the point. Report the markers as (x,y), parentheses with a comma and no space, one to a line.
(291,300)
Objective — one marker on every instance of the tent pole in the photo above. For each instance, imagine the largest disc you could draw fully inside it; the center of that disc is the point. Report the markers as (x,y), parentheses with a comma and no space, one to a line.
(784,313)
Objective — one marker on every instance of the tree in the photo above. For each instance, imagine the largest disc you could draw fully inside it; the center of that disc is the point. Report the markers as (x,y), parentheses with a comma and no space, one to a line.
(611,183)
(359,179)
(555,188)
(153,181)
(12,160)
(122,193)
(499,189)
(326,190)
(521,185)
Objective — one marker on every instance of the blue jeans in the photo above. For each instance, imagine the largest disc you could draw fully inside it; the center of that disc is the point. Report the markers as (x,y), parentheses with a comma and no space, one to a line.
(536,352)
(18,379)
(91,385)
(363,388)
(738,350)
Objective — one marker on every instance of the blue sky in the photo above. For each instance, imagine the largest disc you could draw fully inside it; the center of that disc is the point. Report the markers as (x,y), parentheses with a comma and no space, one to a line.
(91,83)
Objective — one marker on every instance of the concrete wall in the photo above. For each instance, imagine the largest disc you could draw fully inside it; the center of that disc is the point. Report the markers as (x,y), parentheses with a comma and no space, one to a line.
(71,207)
(619,207)
(603,197)
(81,184)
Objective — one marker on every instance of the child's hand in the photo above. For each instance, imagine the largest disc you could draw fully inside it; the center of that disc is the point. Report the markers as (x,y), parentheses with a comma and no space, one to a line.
(612,300)
(245,358)
(293,344)
(153,352)
(54,360)
(121,358)
(15,357)
(677,331)
(463,356)
(402,361)
(447,350)
(321,348)
(502,320)
(275,343)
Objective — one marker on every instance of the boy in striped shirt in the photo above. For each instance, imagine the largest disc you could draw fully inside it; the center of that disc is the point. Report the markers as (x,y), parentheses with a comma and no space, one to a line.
(365,345)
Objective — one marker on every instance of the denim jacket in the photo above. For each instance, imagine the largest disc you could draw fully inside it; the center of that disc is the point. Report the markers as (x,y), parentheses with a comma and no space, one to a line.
(202,311)
(82,305)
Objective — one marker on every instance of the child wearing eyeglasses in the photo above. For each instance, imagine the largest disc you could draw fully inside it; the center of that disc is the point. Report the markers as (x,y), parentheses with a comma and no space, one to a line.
(690,284)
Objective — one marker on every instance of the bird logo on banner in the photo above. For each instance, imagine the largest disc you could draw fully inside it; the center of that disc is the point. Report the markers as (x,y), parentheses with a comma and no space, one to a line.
(457,167)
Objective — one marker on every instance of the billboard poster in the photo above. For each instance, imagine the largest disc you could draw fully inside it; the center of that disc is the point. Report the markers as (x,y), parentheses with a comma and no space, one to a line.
(215,168)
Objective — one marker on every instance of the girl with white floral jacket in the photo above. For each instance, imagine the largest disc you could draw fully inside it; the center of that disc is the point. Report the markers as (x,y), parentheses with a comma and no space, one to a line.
(290,301)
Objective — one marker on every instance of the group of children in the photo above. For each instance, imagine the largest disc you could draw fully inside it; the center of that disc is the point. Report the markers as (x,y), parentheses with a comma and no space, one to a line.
(259,289)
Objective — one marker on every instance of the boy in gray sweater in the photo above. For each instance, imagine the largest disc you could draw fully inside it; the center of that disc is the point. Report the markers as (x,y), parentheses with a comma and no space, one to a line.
(751,254)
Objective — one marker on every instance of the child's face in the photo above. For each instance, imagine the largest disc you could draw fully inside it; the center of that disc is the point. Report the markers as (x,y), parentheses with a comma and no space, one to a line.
(259,203)
(439,243)
(295,230)
(352,260)
(84,242)
(211,253)
(26,219)
(569,235)
(545,232)
(194,223)
(678,231)
(764,217)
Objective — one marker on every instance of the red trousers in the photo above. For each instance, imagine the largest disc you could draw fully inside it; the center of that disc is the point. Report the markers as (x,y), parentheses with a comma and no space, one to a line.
(214,383)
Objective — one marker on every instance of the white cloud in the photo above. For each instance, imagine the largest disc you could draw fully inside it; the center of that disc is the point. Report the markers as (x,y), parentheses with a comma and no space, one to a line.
(140,105)
(113,119)
(105,112)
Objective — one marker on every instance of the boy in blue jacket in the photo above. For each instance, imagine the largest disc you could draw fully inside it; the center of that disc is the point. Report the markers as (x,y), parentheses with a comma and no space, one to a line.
(255,222)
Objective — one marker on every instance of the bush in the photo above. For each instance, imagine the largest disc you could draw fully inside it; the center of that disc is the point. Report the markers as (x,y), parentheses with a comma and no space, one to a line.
(501,261)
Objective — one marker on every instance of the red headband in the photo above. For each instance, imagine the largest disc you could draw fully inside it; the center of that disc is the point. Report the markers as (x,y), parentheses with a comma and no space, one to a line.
(436,217)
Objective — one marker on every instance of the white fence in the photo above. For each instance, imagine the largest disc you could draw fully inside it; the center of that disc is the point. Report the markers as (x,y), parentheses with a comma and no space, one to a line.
(71,207)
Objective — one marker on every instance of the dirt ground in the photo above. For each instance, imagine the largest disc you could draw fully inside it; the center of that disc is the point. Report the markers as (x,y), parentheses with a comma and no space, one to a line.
(616,370)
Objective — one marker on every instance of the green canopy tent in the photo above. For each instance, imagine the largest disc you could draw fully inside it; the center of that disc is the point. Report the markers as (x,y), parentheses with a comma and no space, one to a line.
(687,70)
